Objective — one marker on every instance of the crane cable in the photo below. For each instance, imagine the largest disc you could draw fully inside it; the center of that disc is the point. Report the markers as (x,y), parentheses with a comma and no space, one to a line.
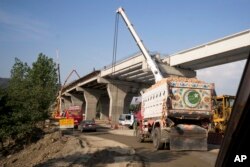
(113,65)
(115,43)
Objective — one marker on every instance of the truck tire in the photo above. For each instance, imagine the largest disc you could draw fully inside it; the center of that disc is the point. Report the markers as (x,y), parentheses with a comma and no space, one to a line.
(156,136)
(139,137)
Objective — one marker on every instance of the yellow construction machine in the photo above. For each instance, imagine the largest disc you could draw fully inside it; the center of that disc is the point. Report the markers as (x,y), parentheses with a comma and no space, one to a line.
(222,106)
(222,109)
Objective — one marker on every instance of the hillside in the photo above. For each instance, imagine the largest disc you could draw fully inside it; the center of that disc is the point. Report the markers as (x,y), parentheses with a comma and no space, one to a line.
(4,82)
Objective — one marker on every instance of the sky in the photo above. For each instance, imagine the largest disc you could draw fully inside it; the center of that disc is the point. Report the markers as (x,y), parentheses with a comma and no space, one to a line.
(83,32)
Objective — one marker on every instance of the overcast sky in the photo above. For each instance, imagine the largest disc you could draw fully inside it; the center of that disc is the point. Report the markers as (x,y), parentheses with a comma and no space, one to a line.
(83,32)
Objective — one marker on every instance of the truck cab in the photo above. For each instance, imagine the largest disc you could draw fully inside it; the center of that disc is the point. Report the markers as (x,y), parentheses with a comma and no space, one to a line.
(127,120)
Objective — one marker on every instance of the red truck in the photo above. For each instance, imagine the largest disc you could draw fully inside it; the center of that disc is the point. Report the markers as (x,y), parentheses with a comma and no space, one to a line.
(76,113)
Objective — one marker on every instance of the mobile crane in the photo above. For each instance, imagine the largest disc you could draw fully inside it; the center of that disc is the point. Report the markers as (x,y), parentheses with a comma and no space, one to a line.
(175,111)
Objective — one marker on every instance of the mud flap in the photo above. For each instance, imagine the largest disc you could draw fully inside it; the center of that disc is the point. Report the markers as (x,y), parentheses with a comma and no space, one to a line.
(188,137)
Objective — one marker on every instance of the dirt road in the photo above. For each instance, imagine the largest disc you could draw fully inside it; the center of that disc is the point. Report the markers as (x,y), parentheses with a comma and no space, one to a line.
(105,147)
(151,157)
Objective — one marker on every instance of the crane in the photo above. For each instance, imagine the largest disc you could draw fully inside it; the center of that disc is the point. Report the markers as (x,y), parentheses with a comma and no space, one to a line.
(152,64)
(73,71)
(58,109)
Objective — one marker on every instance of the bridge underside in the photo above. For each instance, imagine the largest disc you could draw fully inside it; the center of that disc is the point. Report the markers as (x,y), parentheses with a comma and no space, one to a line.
(102,98)
(107,93)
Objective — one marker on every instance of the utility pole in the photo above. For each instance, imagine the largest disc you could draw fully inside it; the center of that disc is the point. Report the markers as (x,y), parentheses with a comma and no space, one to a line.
(58,68)
(59,81)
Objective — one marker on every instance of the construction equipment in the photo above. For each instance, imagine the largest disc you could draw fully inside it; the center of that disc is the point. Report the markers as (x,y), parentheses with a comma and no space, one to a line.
(222,111)
(222,106)
(175,110)
(57,114)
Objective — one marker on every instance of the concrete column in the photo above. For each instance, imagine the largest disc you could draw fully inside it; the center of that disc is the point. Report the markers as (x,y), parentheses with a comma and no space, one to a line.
(104,107)
(117,94)
(84,108)
(91,97)
(82,98)
(127,101)
(77,99)
(66,102)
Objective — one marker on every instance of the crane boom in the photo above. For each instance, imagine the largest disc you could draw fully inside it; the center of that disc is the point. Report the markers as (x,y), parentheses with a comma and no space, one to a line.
(152,64)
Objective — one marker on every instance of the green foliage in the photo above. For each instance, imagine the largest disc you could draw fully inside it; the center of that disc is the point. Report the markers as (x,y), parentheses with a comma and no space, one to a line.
(30,93)
(44,85)
(5,115)
(134,108)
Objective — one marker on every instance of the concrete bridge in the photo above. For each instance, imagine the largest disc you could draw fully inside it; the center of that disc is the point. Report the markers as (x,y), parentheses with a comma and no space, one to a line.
(107,93)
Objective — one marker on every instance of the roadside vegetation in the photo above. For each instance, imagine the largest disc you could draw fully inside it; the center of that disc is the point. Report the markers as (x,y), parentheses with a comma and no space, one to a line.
(25,103)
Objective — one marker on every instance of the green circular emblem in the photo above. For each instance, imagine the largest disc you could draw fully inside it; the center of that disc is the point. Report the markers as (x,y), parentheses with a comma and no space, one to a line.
(192,98)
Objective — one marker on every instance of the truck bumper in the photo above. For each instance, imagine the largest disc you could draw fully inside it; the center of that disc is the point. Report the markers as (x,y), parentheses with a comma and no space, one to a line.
(188,137)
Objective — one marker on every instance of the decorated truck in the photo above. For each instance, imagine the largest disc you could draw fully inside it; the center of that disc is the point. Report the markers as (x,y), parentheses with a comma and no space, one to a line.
(176,111)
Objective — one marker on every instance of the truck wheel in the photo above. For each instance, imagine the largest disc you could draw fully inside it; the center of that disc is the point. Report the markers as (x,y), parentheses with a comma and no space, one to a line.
(139,136)
(157,139)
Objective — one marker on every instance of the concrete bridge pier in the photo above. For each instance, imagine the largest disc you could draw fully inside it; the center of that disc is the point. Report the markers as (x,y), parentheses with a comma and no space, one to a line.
(66,102)
(76,99)
(127,102)
(117,95)
(91,97)
(103,107)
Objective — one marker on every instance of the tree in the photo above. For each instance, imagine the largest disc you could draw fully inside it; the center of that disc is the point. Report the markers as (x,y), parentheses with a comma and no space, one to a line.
(5,117)
(18,85)
(44,82)
(31,91)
